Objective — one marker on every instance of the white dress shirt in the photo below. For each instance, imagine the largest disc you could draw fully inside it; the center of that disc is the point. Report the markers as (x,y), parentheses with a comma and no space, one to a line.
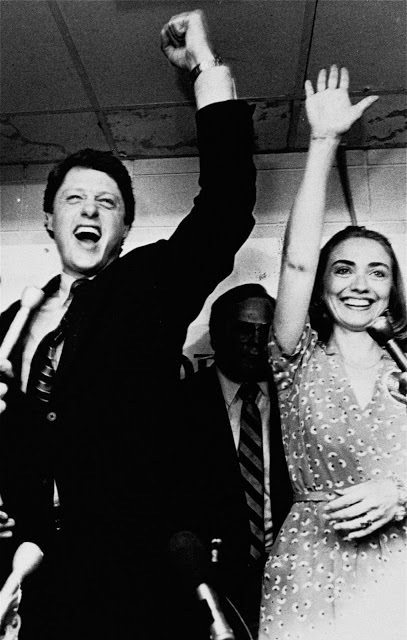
(233,404)
(46,319)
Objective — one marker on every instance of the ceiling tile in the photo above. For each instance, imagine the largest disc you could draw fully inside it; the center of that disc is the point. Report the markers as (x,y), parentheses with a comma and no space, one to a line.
(37,73)
(47,138)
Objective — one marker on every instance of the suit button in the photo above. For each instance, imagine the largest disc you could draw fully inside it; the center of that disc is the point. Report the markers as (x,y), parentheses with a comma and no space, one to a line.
(51,416)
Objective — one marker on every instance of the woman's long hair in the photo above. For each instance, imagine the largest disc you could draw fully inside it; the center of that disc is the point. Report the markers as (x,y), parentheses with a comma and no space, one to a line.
(321,319)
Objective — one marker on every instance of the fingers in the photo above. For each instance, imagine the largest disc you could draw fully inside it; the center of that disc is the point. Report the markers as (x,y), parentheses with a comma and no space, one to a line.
(364,104)
(333,77)
(344,81)
(176,30)
(184,39)
(309,90)
(362,508)
(351,496)
(321,80)
(368,527)
(361,521)
(173,35)
(3,389)
(6,524)
(165,38)
(354,511)
(6,373)
(6,370)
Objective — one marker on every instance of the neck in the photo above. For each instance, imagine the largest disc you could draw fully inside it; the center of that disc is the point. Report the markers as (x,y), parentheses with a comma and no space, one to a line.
(356,347)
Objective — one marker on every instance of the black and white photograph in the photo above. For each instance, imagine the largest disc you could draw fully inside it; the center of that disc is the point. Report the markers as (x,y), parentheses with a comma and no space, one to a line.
(203,320)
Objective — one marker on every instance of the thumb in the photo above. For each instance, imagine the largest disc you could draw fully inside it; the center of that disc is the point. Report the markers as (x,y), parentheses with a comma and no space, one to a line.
(364,104)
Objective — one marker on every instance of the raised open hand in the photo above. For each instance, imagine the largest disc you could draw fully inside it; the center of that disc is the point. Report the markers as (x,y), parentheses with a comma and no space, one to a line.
(329,109)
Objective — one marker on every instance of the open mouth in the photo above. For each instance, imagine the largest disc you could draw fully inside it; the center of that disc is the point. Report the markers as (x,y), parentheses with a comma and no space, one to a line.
(358,303)
(89,235)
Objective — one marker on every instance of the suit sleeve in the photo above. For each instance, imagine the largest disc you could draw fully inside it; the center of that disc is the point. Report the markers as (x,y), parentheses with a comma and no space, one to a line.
(201,251)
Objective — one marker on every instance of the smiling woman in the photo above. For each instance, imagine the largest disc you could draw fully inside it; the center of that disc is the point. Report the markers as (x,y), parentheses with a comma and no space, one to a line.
(383,271)
(343,412)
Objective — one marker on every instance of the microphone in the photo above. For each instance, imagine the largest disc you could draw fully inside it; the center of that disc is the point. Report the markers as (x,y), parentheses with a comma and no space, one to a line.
(381,331)
(31,298)
(189,558)
(26,558)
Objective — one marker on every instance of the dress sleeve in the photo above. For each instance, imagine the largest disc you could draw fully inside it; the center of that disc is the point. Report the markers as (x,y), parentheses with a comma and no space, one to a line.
(286,367)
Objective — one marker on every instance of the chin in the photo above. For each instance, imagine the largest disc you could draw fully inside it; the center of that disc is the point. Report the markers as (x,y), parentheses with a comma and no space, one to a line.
(254,375)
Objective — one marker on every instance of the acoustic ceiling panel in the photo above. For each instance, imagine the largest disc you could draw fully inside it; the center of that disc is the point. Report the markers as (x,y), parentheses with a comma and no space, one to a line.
(90,72)
(368,37)
(37,72)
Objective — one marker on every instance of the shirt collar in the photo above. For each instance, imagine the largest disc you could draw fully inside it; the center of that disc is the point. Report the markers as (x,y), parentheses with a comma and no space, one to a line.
(230,387)
(65,287)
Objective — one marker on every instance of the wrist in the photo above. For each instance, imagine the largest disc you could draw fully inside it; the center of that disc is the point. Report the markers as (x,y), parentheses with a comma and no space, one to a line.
(215,84)
(320,135)
(208,62)
(199,54)
(401,508)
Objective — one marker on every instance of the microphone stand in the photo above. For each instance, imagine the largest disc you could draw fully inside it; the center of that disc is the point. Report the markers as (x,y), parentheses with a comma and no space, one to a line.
(216,544)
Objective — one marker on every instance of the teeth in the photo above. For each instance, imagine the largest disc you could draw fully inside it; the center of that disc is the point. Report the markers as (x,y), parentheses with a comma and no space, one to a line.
(357,303)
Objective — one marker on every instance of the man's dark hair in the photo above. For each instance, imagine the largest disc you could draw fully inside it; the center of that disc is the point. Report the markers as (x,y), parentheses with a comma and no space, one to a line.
(100,161)
(221,309)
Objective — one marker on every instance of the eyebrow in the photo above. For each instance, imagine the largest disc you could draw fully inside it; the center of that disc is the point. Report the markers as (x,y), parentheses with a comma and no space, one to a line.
(351,263)
(98,193)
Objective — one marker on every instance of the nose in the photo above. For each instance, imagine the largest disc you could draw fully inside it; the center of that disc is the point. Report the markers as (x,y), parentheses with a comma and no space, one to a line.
(90,208)
(257,335)
(360,282)
(258,338)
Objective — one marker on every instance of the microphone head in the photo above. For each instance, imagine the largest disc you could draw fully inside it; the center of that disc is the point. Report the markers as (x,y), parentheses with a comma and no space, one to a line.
(31,297)
(381,330)
(189,558)
(26,558)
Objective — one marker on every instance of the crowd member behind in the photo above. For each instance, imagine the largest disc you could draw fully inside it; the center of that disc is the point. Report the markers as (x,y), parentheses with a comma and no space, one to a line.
(338,567)
(239,327)
(98,441)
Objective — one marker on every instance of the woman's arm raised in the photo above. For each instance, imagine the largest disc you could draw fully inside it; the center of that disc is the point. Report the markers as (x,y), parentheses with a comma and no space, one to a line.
(330,113)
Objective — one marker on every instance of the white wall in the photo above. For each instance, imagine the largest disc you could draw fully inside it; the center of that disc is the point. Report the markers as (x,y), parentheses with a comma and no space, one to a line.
(164,192)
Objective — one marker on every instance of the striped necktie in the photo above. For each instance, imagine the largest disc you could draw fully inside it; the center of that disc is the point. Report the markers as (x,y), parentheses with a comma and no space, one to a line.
(251,463)
(42,370)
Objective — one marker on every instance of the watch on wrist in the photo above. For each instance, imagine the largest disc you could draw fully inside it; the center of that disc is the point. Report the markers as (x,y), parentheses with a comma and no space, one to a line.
(215,61)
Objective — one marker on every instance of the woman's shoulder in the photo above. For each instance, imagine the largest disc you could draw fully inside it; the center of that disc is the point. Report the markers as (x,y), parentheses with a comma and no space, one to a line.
(287,366)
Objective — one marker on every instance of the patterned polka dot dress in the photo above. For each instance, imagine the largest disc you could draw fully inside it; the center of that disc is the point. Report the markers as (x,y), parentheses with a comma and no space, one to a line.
(318,586)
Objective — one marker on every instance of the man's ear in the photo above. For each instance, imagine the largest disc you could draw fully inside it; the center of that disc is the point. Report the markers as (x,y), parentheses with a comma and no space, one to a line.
(49,224)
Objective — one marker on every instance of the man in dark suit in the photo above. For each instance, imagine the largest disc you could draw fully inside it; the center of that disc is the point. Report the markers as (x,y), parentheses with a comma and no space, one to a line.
(98,441)
(239,327)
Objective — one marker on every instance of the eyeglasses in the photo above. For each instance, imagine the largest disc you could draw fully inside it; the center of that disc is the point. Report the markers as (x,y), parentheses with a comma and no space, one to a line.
(252,331)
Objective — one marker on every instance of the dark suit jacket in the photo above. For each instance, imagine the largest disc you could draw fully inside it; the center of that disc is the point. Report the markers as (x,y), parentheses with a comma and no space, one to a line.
(217,497)
(108,441)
